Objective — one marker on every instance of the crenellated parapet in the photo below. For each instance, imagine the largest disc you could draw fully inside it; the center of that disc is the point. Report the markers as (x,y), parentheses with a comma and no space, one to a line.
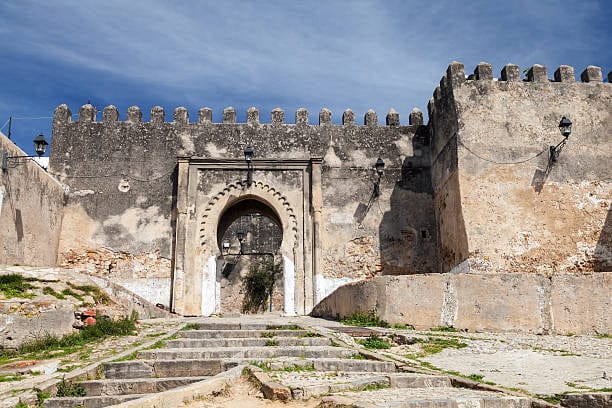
(180,117)
(455,74)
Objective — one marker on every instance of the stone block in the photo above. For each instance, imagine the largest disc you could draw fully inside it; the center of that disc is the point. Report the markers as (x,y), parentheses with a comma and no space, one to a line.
(158,116)
(455,74)
(591,74)
(278,116)
(325,117)
(393,118)
(301,117)
(417,299)
(253,116)
(87,113)
(370,118)
(134,114)
(565,73)
(204,116)
(594,400)
(348,117)
(537,73)
(229,115)
(416,117)
(483,71)
(511,73)
(275,391)
(582,303)
(181,116)
(110,115)
(499,302)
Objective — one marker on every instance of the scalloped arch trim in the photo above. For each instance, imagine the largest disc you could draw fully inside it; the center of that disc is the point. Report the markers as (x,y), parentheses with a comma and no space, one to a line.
(258,190)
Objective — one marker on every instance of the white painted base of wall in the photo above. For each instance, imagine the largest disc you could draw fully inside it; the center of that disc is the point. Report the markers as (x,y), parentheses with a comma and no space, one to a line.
(209,287)
(324,286)
(289,287)
(155,290)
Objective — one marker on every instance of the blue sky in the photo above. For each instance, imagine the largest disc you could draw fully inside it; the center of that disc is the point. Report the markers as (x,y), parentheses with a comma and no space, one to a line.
(267,54)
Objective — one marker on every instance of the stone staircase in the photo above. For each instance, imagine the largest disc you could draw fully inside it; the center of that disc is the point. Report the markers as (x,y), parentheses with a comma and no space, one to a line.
(289,363)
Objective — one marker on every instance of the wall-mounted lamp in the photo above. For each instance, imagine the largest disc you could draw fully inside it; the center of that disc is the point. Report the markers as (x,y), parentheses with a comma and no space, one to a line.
(380,170)
(248,157)
(40,146)
(565,127)
(240,236)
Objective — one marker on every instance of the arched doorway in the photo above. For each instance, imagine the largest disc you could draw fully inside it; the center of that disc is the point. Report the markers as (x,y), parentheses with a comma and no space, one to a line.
(249,268)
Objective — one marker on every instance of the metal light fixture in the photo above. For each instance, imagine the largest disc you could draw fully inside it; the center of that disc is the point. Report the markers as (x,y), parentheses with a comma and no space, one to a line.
(40,146)
(240,236)
(248,157)
(565,127)
(380,170)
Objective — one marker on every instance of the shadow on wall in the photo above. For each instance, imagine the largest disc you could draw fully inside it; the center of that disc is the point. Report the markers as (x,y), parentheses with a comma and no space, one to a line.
(603,250)
(407,231)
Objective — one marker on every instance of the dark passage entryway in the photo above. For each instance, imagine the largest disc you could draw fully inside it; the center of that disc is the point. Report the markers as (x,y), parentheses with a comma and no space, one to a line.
(249,270)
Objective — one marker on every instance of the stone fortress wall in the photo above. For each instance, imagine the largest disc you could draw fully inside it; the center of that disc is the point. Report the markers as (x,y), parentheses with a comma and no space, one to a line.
(31,209)
(122,177)
(471,192)
(524,244)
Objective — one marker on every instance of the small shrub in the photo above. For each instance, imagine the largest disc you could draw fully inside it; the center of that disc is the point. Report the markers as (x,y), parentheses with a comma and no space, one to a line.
(271,342)
(268,335)
(369,319)
(191,326)
(475,377)
(41,396)
(21,405)
(258,285)
(375,342)
(68,389)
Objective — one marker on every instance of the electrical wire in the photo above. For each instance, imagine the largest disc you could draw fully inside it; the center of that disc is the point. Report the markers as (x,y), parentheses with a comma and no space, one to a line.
(497,162)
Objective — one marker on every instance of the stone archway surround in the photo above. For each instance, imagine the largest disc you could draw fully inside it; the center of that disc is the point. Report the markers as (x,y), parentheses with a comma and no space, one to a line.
(195,290)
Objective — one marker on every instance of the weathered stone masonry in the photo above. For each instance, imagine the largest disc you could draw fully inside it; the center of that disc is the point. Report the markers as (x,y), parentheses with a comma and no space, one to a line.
(130,193)
(469,191)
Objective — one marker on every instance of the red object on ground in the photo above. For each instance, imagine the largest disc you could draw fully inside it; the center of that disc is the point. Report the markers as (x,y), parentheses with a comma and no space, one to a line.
(90,321)
(89,312)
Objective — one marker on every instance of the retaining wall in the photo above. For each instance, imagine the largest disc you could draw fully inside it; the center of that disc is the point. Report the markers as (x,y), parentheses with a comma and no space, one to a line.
(519,302)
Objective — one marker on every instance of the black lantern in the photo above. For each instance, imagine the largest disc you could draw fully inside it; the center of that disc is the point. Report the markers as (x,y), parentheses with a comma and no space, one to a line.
(40,145)
(565,126)
(240,236)
(380,167)
(248,154)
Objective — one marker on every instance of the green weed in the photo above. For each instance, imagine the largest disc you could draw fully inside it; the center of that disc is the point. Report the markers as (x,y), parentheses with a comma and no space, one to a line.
(268,335)
(69,389)
(271,342)
(375,342)
(444,329)
(369,319)
(10,377)
(191,326)
(435,345)
(283,327)
(47,290)
(310,334)
(375,386)
(14,285)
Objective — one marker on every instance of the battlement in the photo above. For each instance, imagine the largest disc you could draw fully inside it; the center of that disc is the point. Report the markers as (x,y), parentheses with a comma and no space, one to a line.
(455,76)
(87,114)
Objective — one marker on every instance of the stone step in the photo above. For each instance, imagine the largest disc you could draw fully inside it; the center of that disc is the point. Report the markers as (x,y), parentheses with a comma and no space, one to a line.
(163,368)
(305,385)
(319,364)
(89,402)
(220,334)
(242,352)
(438,397)
(242,326)
(249,342)
(135,386)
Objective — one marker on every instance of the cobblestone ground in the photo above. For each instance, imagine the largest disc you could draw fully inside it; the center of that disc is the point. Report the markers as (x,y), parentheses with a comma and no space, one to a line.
(538,364)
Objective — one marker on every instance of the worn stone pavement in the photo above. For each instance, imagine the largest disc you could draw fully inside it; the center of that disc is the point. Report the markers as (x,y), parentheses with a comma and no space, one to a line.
(537,364)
